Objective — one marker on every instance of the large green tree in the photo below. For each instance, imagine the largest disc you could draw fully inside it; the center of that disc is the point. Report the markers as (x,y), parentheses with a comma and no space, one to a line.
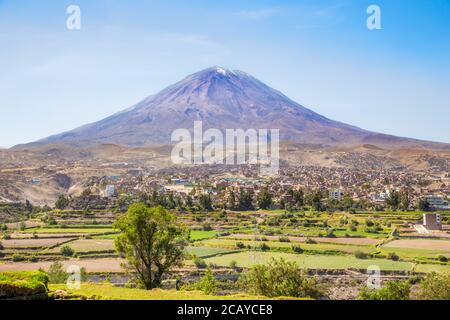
(264,199)
(152,242)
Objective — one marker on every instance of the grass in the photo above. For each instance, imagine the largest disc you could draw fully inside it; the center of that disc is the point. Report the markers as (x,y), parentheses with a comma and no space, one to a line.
(250,258)
(21,284)
(200,234)
(426,268)
(202,252)
(109,292)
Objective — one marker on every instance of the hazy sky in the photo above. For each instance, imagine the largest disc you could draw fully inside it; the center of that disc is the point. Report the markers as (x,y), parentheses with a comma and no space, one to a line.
(318,52)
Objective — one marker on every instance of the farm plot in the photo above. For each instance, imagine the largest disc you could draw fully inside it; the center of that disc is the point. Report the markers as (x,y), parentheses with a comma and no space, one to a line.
(354,241)
(71,230)
(320,247)
(33,243)
(89,245)
(248,259)
(91,265)
(202,252)
(200,234)
(426,244)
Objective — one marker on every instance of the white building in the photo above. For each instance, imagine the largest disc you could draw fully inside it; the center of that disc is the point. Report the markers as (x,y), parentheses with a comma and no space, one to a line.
(110,191)
(436,202)
(336,194)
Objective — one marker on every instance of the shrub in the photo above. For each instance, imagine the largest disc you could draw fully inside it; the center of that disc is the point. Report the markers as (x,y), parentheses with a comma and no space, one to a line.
(284,239)
(208,283)
(199,263)
(361,255)
(279,278)
(392,290)
(56,273)
(240,245)
(1,246)
(330,233)
(207,227)
(33,258)
(442,258)
(297,249)
(67,251)
(233,264)
(18,257)
(434,286)
(310,241)
(264,247)
(393,256)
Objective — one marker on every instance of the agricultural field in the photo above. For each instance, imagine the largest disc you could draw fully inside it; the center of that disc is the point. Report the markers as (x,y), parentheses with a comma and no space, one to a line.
(325,243)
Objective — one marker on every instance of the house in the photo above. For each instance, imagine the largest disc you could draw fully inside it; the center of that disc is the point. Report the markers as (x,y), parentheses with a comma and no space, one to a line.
(432,221)
(336,194)
(110,191)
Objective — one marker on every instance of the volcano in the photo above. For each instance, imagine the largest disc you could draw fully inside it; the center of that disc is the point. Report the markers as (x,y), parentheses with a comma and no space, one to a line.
(223,99)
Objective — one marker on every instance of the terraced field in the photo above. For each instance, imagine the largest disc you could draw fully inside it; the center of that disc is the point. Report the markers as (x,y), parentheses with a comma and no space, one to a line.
(250,258)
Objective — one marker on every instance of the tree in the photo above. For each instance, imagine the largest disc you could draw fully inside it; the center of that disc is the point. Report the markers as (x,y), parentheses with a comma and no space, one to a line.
(280,278)
(405,201)
(392,290)
(434,286)
(152,242)
(315,200)
(393,200)
(28,206)
(245,201)
(423,205)
(62,202)
(205,202)
(231,203)
(264,199)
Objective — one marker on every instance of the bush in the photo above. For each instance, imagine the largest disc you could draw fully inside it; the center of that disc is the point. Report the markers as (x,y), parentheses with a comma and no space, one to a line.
(310,241)
(233,264)
(361,255)
(23,285)
(18,257)
(284,239)
(297,249)
(240,245)
(392,290)
(393,256)
(67,251)
(199,263)
(208,283)
(442,258)
(56,273)
(434,286)
(330,233)
(264,247)
(279,278)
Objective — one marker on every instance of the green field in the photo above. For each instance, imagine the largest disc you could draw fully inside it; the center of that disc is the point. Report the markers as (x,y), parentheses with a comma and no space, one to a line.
(205,251)
(200,234)
(109,292)
(250,258)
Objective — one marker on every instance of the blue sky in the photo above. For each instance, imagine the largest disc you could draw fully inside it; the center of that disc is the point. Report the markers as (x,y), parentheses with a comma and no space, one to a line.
(318,52)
